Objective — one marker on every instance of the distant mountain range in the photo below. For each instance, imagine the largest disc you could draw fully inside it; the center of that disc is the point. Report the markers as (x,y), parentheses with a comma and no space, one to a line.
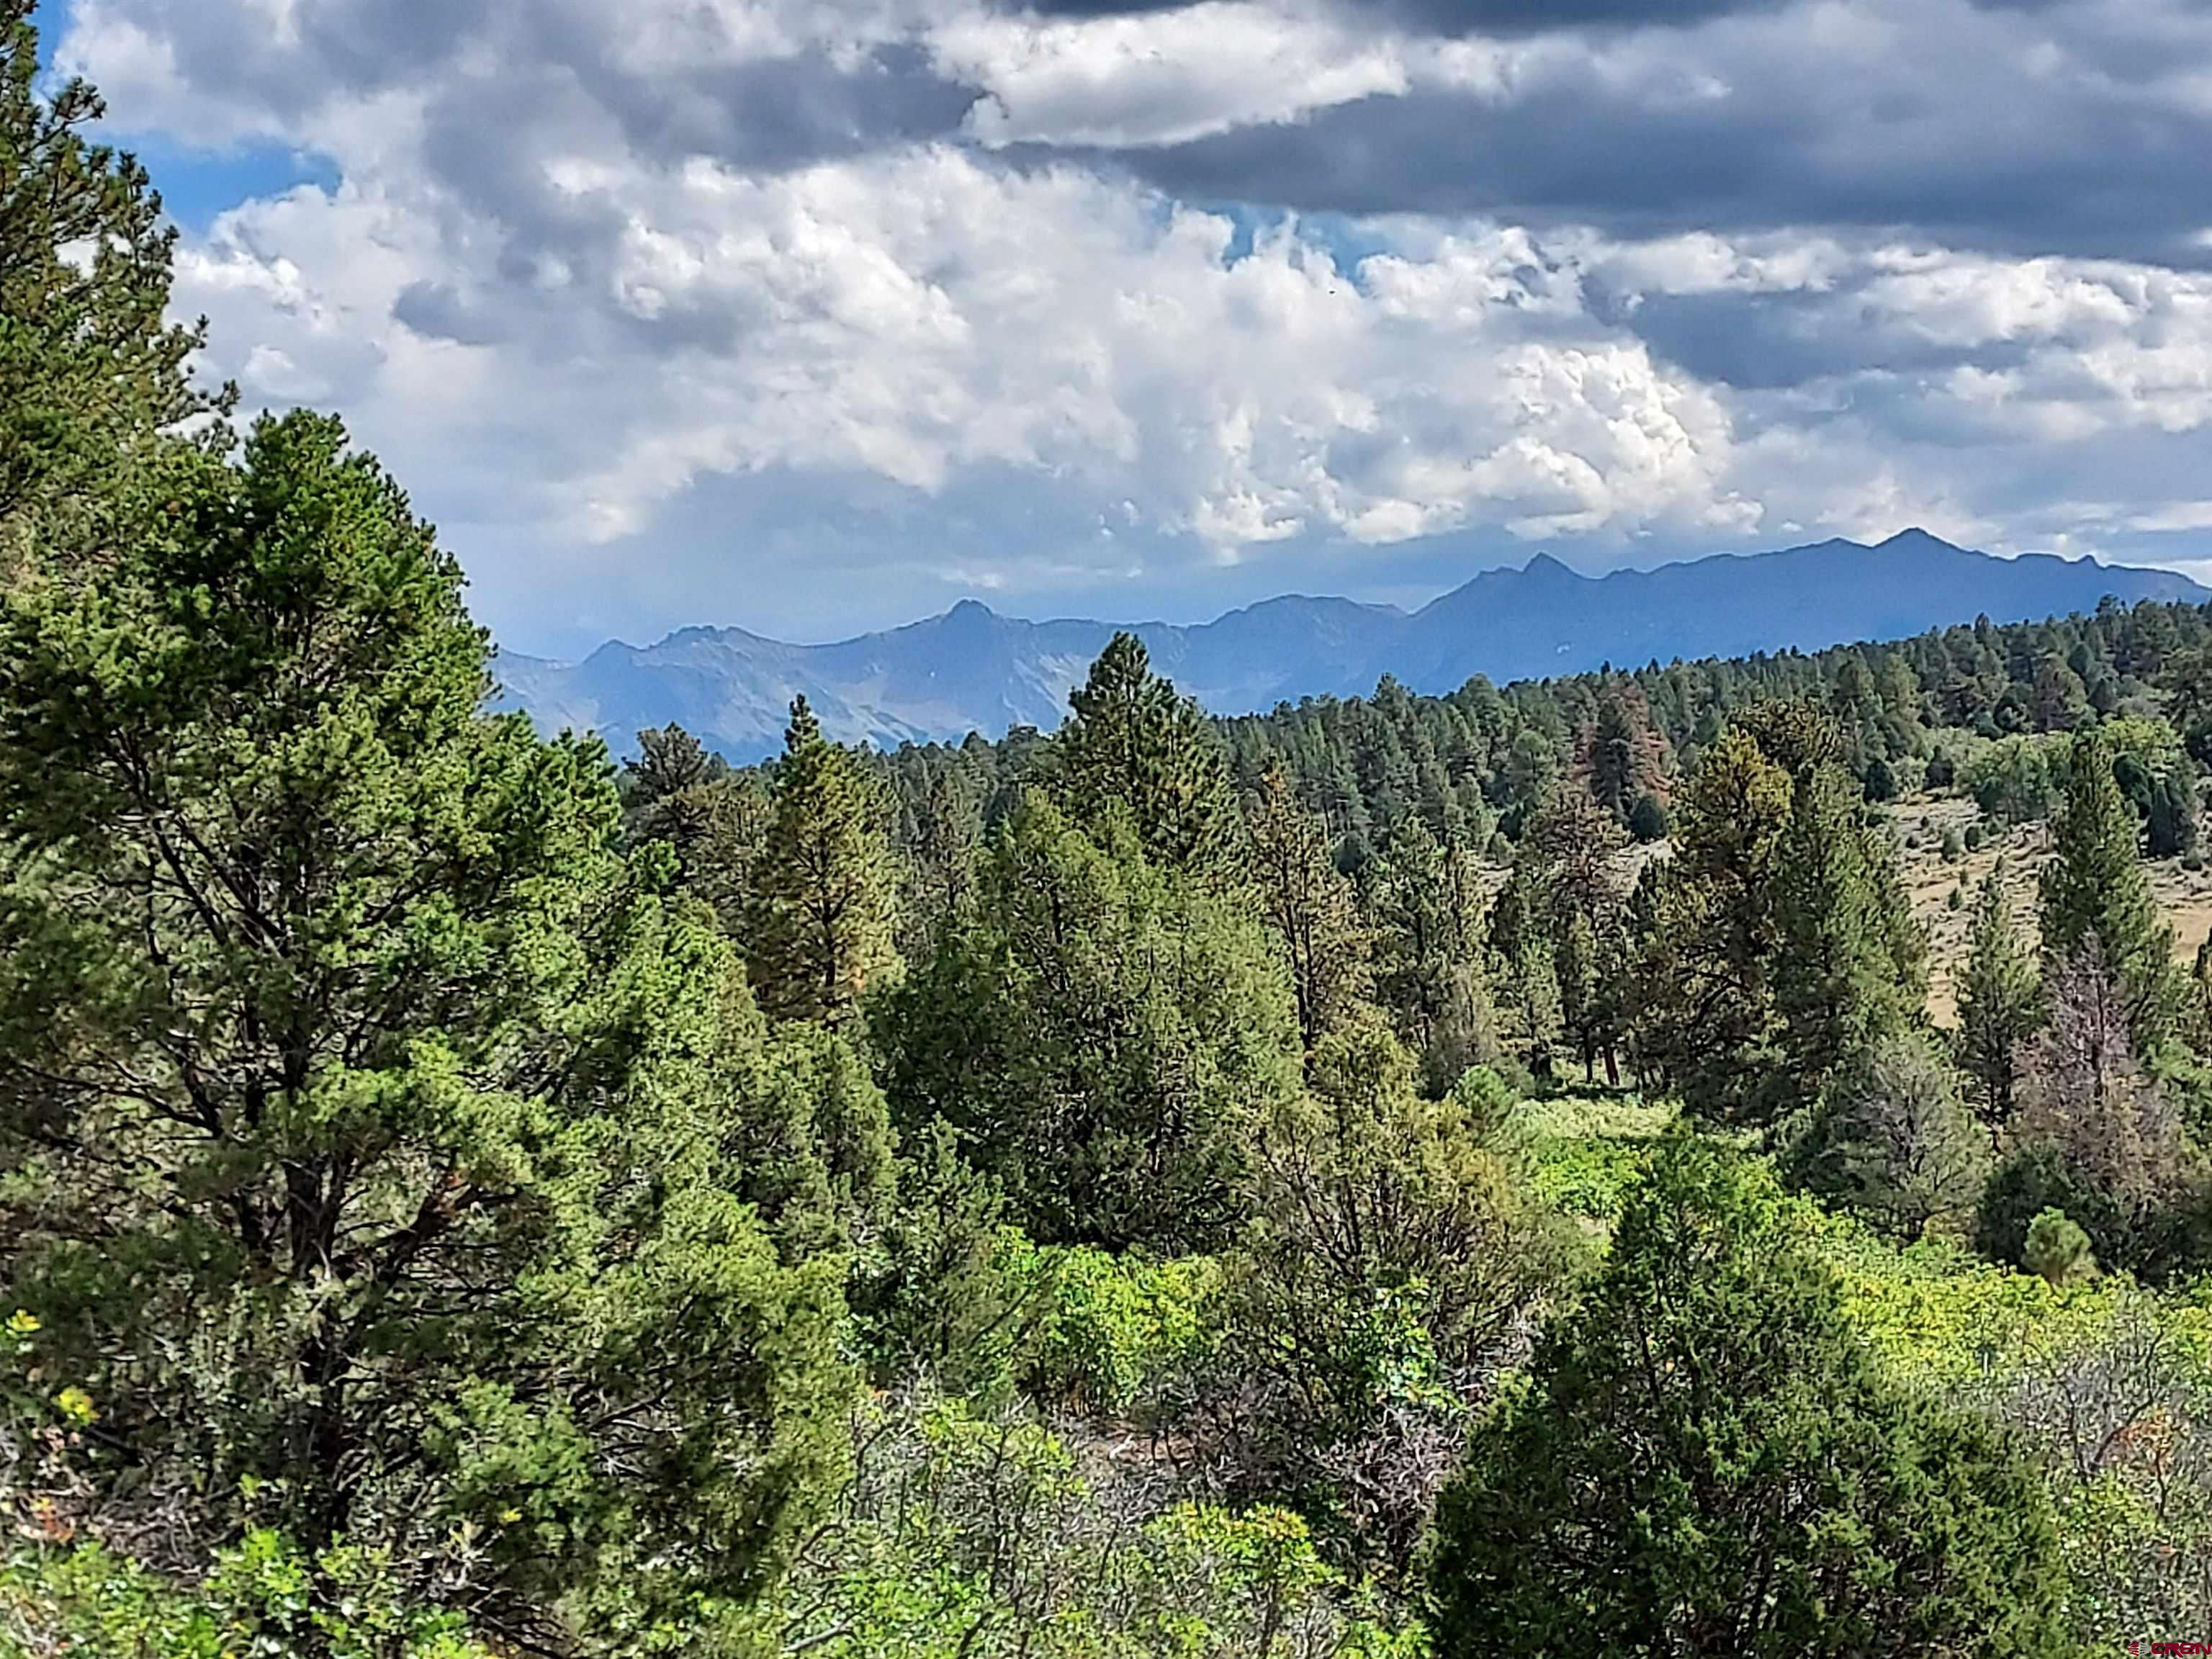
(971,669)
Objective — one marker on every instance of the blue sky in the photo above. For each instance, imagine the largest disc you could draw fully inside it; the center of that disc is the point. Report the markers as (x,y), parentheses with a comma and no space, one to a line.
(813,316)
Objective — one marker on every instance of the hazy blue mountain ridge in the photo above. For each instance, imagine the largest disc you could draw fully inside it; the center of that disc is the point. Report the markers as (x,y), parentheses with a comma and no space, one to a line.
(973,670)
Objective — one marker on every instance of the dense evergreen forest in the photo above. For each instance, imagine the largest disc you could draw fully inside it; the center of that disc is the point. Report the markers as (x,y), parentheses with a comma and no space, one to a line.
(1460,1176)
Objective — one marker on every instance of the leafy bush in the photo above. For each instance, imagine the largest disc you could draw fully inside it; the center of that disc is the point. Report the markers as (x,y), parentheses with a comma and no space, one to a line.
(2011,780)
(1380,1286)
(968,1534)
(1112,1325)
(260,1596)
(2056,1250)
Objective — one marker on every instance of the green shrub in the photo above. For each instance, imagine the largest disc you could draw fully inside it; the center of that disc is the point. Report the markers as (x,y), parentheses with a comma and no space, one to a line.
(1110,1325)
(2013,778)
(1706,1459)
(1648,820)
(2055,1251)
(983,1535)
(255,1598)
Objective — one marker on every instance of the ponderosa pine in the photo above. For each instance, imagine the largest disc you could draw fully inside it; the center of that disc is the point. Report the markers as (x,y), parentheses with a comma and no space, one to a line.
(372,1127)
(819,904)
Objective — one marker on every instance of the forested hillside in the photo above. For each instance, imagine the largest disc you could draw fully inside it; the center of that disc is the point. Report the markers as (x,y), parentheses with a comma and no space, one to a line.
(1459,1177)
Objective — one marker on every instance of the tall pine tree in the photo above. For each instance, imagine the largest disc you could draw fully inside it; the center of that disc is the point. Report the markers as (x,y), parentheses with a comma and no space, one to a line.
(1310,908)
(2000,1003)
(1705,1020)
(1849,964)
(1132,740)
(2094,890)
(92,369)
(1622,755)
(1564,880)
(819,914)
(1430,963)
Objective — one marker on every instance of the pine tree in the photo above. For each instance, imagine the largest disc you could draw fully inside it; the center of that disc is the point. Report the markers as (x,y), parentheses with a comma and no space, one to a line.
(2094,889)
(2197,1022)
(2171,828)
(1131,741)
(1429,969)
(1564,881)
(2127,1168)
(943,848)
(1846,968)
(1572,842)
(1706,1021)
(1105,1033)
(1622,754)
(668,793)
(1537,1002)
(1310,908)
(92,370)
(819,913)
(1891,1138)
(370,1123)
(1580,972)
(2000,1002)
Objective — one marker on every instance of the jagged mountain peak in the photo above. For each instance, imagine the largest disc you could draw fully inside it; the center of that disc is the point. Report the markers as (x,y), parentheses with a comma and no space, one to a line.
(972,668)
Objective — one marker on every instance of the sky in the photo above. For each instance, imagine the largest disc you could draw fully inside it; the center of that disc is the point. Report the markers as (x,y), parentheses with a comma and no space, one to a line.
(812,317)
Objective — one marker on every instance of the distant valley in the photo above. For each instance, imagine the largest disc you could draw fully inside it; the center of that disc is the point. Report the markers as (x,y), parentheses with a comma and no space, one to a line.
(973,669)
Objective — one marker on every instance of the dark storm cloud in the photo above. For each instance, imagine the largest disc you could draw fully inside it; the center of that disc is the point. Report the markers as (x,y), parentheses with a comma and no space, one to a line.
(763,115)
(2070,126)
(1791,339)
(524,69)
(362,46)
(2093,175)
(1457,18)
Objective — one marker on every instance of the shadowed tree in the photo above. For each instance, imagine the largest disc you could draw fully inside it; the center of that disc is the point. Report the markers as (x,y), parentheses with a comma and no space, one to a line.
(1430,970)
(1891,1138)
(1705,1019)
(2094,890)
(1309,907)
(1623,757)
